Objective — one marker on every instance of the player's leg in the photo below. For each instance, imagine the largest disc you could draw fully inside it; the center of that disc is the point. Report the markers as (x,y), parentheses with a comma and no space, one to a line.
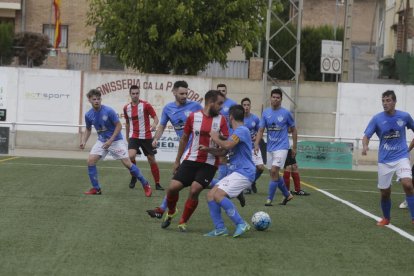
(215,214)
(133,149)
(385,174)
(276,160)
(405,175)
(155,171)
(296,181)
(286,175)
(97,152)
(172,197)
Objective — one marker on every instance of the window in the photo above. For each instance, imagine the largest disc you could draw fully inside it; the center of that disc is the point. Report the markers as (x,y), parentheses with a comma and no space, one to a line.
(49,30)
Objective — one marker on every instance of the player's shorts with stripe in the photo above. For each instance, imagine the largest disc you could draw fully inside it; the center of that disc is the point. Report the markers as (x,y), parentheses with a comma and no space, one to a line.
(276,158)
(144,144)
(233,184)
(190,171)
(386,171)
(117,150)
(290,160)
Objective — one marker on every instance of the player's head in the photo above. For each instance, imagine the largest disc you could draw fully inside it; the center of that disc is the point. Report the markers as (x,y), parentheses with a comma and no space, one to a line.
(222,88)
(276,96)
(213,102)
(180,91)
(246,104)
(95,98)
(237,113)
(134,93)
(389,99)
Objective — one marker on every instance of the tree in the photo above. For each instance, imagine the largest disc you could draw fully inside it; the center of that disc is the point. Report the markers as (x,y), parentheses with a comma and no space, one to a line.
(31,48)
(6,43)
(171,36)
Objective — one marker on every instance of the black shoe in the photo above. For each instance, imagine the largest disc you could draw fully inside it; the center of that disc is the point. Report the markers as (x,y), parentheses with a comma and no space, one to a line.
(155,213)
(242,200)
(133,182)
(286,199)
(301,193)
(247,191)
(254,188)
(158,187)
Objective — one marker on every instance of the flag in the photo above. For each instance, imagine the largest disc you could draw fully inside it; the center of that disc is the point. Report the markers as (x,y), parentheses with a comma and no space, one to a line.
(56,4)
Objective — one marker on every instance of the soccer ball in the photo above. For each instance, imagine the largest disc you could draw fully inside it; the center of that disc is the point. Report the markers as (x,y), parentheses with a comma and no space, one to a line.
(261,220)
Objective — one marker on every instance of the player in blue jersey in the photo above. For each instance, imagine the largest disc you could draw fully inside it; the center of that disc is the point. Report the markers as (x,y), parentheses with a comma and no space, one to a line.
(277,120)
(176,112)
(251,121)
(393,154)
(241,175)
(107,125)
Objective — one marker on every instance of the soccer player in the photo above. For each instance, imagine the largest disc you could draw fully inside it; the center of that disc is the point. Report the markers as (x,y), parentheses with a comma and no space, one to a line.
(108,127)
(291,168)
(404,204)
(198,167)
(393,155)
(251,121)
(176,112)
(277,120)
(138,129)
(241,175)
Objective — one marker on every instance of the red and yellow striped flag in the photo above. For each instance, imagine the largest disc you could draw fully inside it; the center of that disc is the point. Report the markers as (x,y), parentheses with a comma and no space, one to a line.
(56,4)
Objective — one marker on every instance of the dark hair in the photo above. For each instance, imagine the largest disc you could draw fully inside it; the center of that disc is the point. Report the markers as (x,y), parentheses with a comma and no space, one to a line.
(277,91)
(221,85)
(93,92)
(390,93)
(212,95)
(237,111)
(245,99)
(133,87)
(179,84)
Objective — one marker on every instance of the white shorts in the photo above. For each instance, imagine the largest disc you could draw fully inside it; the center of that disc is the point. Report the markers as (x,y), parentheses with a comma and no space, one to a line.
(118,150)
(257,158)
(386,171)
(233,184)
(276,158)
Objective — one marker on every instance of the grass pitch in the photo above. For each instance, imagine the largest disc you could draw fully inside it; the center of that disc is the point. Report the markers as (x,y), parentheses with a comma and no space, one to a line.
(48,227)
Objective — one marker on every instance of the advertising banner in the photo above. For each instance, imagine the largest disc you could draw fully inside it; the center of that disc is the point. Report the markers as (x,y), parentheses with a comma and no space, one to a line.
(324,155)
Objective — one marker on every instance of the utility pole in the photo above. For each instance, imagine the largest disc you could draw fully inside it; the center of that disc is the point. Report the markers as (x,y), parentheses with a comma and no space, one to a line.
(346,49)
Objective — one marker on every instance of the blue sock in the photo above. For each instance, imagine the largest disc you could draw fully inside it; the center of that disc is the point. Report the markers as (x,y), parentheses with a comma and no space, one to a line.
(282,187)
(258,174)
(272,190)
(137,173)
(222,171)
(386,208)
(231,211)
(93,176)
(215,214)
(410,203)
(163,205)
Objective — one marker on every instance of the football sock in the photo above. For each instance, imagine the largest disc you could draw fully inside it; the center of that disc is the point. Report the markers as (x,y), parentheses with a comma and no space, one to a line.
(282,187)
(222,171)
(386,208)
(231,211)
(137,173)
(296,181)
(410,203)
(258,174)
(171,203)
(189,208)
(135,163)
(155,172)
(93,176)
(215,213)
(286,178)
(272,189)
(163,205)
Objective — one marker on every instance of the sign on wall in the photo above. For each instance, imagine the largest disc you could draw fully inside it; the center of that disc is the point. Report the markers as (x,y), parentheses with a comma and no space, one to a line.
(324,155)
(4,140)
(331,57)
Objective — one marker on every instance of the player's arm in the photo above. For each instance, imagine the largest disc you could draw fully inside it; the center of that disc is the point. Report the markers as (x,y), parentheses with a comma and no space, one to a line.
(411,146)
(294,132)
(214,151)
(365,142)
(157,135)
(85,138)
(225,144)
(154,123)
(117,130)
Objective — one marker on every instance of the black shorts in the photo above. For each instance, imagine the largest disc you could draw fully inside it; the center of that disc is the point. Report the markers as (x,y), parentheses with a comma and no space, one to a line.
(190,171)
(144,144)
(290,160)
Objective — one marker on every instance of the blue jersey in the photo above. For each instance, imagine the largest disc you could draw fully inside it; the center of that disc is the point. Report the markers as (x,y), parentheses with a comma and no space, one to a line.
(240,157)
(390,130)
(252,122)
(177,115)
(226,108)
(104,120)
(277,122)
